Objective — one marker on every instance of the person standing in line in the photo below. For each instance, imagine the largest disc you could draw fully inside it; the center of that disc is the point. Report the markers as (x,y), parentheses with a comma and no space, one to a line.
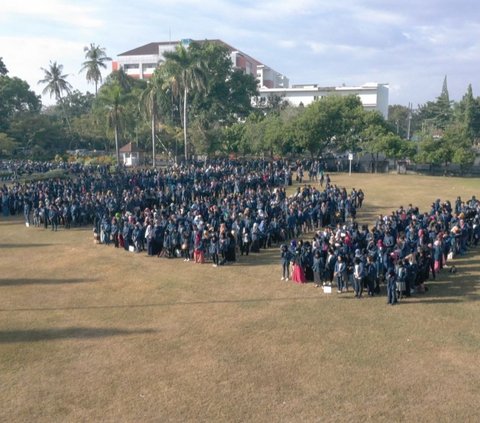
(318,268)
(391,287)
(149,238)
(358,277)
(246,240)
(340,274)
(330,266)
(371,274)
(213,249)
(401,279)
(298,275)
(285,257)
(115,232)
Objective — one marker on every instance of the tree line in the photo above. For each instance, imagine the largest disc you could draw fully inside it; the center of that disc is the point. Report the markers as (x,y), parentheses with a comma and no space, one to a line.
(197,103)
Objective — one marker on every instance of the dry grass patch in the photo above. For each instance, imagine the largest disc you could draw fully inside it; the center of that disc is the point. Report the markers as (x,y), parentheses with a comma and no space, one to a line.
(90,333)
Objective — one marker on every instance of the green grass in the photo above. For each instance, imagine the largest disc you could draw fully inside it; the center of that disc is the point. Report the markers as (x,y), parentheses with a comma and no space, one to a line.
(89,333)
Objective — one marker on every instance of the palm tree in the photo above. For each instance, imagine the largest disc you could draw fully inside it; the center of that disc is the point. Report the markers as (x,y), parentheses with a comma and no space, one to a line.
(187,72)
(57,83)
(149,101)
(95,59)
(113,99)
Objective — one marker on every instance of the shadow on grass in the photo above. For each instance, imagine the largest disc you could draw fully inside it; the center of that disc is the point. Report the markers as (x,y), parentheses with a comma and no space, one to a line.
(461,284)
(262,258)
(37,335)
(166,304)
(8,246)
(26,281)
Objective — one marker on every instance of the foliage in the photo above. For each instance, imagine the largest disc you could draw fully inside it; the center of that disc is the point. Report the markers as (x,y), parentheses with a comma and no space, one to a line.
(452,147)
(7,145)
(47,133)
(95,59)
(467,111)
(198,97)
(15,98)
(51,174)
(55,82)
(3,68)
(111,102)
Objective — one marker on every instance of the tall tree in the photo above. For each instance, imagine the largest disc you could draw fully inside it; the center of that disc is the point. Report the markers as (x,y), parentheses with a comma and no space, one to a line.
(56,83)
(95,60)
(113,100)
(468,113)
(443,107)
(150,103)
(188,72)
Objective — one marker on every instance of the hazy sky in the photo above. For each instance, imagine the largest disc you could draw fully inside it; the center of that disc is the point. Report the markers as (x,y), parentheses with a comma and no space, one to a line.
(409,44)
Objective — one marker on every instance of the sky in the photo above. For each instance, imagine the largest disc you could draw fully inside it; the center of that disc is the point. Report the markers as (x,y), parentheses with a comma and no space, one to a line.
(411,45)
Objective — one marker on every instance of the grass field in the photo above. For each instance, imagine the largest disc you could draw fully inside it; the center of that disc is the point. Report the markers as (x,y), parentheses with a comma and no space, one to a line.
(90,333)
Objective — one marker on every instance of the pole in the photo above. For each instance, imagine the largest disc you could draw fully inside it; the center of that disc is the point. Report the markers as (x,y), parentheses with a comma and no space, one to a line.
(409,120)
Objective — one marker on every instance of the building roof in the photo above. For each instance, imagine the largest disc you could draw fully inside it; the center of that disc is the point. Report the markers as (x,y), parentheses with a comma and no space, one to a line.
(130,148)
(152,48)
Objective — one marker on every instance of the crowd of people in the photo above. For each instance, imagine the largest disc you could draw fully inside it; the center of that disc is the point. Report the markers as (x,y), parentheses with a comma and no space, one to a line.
(401,251)
(215,211)
(165,211)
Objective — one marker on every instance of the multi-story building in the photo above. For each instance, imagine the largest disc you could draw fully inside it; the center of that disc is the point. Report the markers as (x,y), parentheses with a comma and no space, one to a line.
(142,61)
(374,96)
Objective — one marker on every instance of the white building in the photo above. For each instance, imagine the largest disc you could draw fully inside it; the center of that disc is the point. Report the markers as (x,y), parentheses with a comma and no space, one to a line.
(374,96)
(141,62)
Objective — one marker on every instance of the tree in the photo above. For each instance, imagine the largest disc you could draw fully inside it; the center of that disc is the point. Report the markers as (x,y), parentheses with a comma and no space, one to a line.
(187,72)
(3,68)
(399,118)
(77,104)
(453,146)
(15,98)
(56,82)
(113,100)
(437,115)
(394,147)
(150,102)
(443,107)
(56,85)
(232,138)
(7,145)
(95,59)
(39,132)
(126,82)
(467,111)
(319,124)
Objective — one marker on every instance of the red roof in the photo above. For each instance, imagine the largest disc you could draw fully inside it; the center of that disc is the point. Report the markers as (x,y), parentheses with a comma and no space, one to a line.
(130,148)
